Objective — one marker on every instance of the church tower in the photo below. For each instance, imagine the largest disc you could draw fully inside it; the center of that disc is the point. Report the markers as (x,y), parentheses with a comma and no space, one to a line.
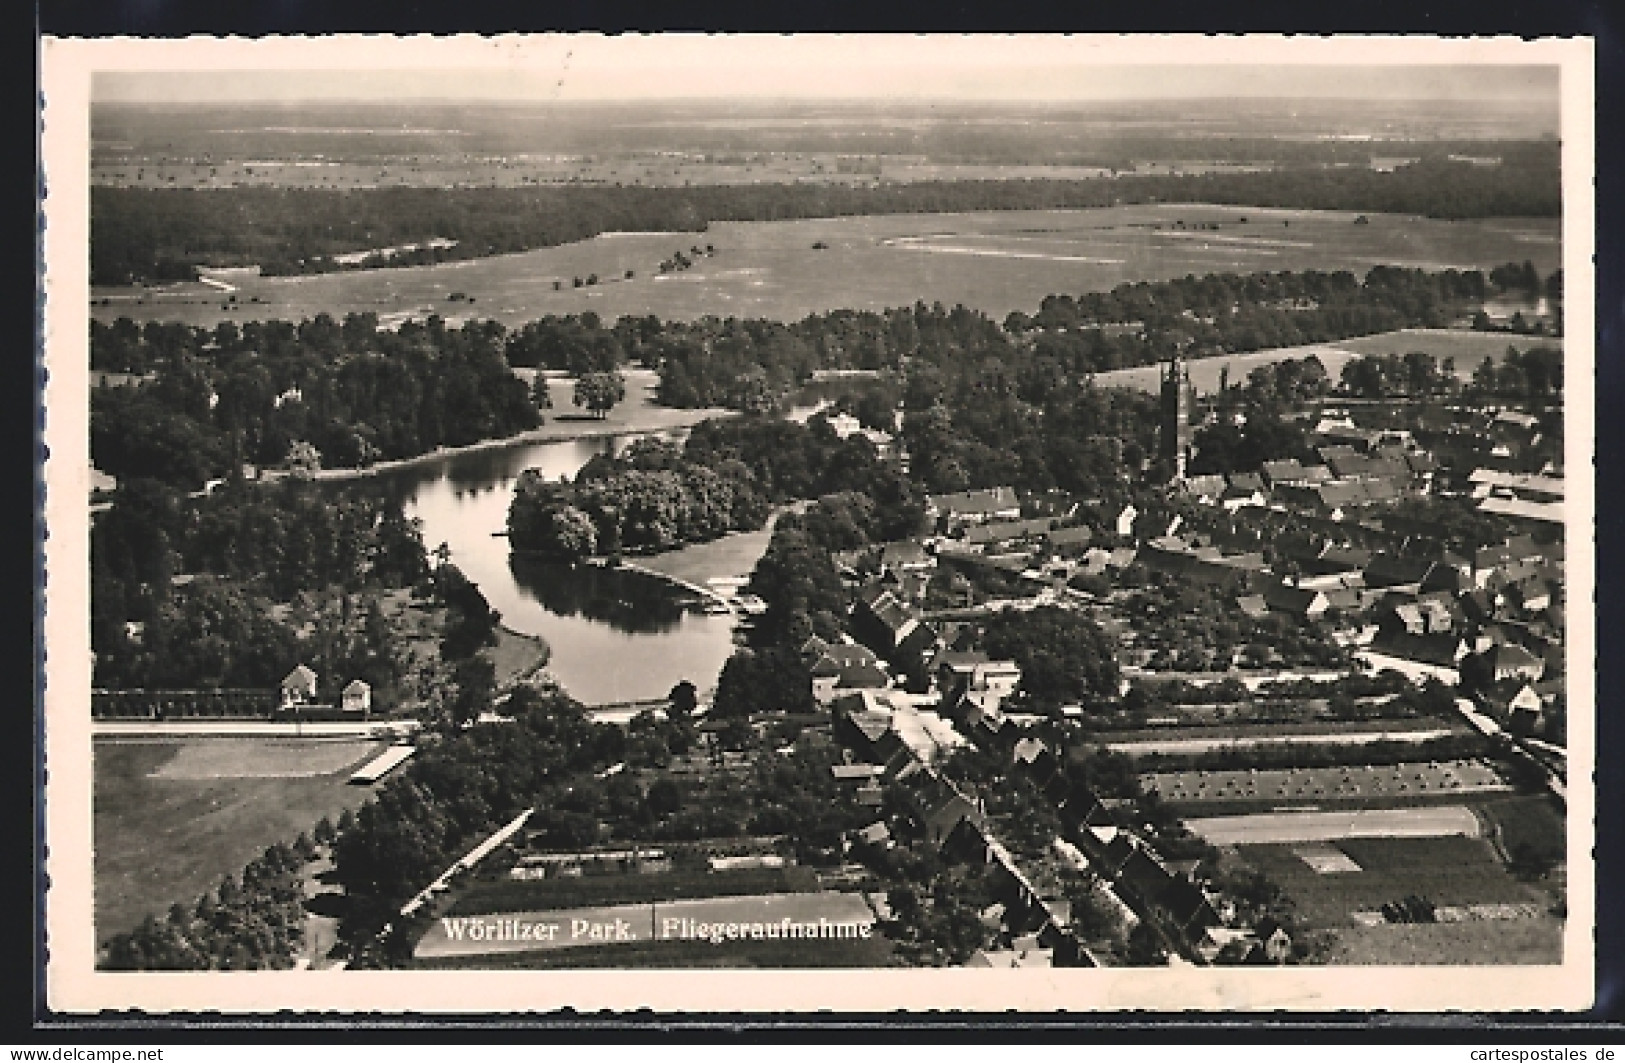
(1174,432)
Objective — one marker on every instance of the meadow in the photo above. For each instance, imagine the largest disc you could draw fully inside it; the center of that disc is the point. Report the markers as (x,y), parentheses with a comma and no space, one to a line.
(171,818)
(1445,871)
(994,261)
(1468,348)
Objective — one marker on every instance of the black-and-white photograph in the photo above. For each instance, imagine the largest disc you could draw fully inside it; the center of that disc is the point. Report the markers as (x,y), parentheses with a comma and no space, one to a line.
(801,504)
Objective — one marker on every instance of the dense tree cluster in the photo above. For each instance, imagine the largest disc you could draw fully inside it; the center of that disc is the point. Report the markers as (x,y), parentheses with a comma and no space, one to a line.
(255,924)
(725,478)
(1065,657)
(182,590)
(164,234)
(347,394)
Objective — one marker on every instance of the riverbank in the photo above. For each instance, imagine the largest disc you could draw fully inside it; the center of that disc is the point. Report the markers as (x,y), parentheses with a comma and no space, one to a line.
(553,432)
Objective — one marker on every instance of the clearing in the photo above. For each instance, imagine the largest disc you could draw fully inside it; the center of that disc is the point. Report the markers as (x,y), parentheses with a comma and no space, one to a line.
(161,839)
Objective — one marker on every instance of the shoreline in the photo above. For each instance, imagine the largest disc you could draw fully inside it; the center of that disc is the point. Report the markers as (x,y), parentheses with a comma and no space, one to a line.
(531,436)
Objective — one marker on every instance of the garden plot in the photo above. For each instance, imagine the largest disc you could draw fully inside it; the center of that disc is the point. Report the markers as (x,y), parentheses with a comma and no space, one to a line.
(1301,786)
(1275,828)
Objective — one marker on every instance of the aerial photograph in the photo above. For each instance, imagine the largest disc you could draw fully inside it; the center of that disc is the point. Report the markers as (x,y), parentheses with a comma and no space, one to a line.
(897,517)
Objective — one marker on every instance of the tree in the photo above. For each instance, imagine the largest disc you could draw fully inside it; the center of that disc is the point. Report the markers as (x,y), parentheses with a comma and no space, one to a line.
(683,700)
(600,392)
(540,393)
(1144,947)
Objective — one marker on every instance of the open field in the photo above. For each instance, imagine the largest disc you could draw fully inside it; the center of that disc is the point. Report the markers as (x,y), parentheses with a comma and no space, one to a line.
(516,895)
(1445,871)
(1267,828)
(1310,785)
(1520,942)
(994,261)
(161,840)
(233,758)
(875,951)
(681,920)
(1468,348)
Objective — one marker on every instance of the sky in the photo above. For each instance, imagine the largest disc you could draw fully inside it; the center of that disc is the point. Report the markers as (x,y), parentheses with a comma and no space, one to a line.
(806,68)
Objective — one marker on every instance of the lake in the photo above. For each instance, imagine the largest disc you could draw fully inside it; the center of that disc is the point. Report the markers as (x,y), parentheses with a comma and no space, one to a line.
(615,635)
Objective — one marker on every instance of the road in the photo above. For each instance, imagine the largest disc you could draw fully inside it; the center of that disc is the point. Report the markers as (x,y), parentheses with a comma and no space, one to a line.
(1273,828)
(201,728)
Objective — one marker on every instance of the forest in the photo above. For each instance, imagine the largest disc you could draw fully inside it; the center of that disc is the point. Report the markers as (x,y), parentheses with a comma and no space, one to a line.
(154,235)
(184,592)
(317,395)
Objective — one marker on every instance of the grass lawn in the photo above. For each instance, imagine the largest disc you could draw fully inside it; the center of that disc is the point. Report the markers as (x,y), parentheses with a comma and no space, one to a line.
(518,895)
(1446,871)
(734,554)
(1521,941)
(162,840)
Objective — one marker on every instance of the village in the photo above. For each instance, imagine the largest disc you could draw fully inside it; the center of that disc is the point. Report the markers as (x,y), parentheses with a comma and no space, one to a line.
(1312,686)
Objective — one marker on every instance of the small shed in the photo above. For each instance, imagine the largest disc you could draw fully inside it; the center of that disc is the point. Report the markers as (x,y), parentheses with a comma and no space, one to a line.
(299,686)
(357,696)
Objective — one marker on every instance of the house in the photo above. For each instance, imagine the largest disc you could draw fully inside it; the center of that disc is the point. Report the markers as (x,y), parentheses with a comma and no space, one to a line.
(1389,570)
(974,507)
(1302,603)
(1205,489)
(1253,605)
(1274,943)
(1226,945)
(1246,481)
(1511,661)
(1005,531)
(298,686)
(1424,616)
(1280,472)
(1070,540)
(845,667)
(876,834)
(1124,524)
(357,697)
(1443,650)
(906,556)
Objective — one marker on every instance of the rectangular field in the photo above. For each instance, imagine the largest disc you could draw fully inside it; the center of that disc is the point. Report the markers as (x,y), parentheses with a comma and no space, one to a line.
(1445,871)
(165,838)
(518,895)
(792,919)
(1278,786)
(235,758)
(994,261)
(1524,942)
(1274,828)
